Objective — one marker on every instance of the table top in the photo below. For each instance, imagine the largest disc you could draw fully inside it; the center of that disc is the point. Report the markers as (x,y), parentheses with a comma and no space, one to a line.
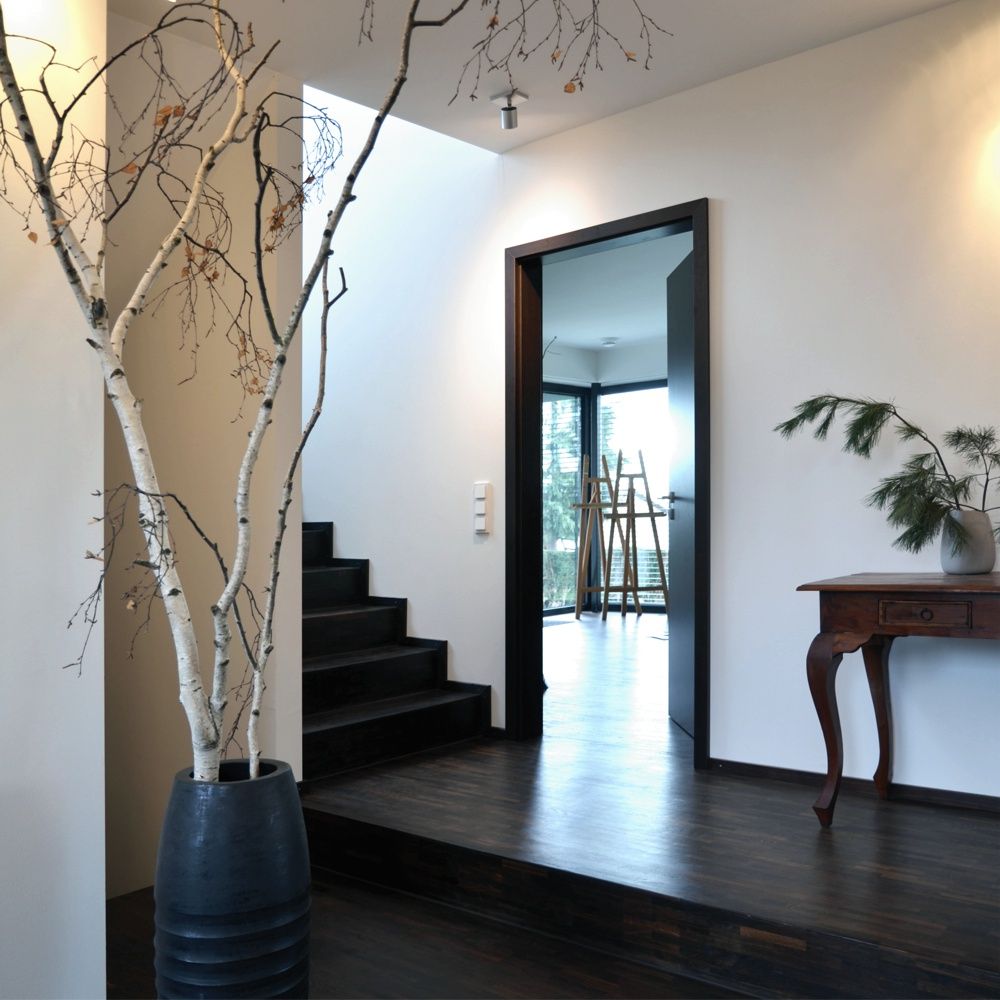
(973,583)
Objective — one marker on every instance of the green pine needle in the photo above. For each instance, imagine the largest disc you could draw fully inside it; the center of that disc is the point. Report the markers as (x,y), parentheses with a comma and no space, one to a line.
(917,499)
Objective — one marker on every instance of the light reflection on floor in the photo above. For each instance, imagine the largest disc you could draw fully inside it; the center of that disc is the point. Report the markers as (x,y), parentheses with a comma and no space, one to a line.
(607,679)
(607,737)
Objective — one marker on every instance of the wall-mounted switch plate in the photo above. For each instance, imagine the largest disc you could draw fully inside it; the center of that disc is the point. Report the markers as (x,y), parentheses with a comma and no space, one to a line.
(482,515)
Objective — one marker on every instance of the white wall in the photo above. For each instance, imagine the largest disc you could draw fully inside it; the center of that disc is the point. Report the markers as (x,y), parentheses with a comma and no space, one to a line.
(51,720)
(570,365)
(855,201)
(617,365)
(197,437)
(639,362)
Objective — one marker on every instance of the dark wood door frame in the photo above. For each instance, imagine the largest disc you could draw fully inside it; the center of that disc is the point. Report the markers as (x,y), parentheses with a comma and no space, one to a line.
(523,266)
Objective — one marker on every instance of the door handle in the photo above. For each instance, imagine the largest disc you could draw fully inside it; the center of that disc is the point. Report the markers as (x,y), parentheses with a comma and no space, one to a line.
(671,499)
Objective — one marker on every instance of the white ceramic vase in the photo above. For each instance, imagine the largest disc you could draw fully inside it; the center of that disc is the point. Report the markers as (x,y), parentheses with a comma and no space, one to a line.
(979,552)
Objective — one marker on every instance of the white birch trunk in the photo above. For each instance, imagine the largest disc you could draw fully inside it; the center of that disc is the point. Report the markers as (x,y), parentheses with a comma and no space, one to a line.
(318,269)
(86,282)
(204,712)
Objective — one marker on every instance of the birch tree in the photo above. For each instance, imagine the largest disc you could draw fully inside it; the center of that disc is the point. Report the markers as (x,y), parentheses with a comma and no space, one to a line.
(76,190)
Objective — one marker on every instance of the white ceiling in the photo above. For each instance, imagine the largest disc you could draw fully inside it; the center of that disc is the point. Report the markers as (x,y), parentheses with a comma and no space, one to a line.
(710,39)
(620,292)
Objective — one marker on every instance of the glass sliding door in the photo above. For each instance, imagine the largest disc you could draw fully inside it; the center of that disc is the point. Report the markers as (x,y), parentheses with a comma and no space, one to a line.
(634,420)
(562,448)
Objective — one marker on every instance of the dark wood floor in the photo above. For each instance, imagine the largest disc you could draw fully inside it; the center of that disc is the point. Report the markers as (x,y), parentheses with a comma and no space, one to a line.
(371,942)
(610,792)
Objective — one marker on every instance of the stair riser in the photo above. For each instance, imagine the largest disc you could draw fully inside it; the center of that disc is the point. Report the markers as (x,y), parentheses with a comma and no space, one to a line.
(316,547)
(346,747)
(346,632)
(350,683)
(334,585)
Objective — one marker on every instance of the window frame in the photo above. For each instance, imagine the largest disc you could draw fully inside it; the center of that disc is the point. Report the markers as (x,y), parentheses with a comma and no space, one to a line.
(590,401)
(587,410)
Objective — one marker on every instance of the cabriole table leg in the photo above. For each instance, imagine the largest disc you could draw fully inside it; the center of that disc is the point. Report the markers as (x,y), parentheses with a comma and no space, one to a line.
(822,662)
(876,654)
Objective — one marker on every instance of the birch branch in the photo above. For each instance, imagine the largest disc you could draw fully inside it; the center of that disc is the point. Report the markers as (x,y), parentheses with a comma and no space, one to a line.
(153,517)
(219,558)
(221,609)
(43,188)
(208,161)
(266,642)
(77,188)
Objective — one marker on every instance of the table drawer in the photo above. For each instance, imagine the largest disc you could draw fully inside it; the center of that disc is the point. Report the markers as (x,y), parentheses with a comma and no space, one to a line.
(932,614)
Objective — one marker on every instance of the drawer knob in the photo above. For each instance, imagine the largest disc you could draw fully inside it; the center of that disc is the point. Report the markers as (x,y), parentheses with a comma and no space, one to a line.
(926,614)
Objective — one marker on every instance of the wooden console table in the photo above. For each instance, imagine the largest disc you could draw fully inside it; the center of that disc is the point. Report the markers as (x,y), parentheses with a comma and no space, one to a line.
(867,611)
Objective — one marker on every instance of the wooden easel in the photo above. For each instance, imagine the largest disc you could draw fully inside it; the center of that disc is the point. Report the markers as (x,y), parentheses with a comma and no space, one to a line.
(591,507)
(624,517)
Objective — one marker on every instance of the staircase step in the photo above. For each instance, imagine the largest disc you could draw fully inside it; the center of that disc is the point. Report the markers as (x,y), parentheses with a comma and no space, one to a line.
(317,543)
(381,708)
(354,735)
(351,627)
(368,674)
(341,581)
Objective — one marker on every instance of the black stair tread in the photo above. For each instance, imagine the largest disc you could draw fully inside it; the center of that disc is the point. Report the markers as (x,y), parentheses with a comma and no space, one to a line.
(331,563)
(365,711)
(370,654)
(346,609)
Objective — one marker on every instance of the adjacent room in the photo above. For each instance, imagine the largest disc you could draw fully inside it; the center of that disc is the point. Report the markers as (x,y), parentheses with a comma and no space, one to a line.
(606,451)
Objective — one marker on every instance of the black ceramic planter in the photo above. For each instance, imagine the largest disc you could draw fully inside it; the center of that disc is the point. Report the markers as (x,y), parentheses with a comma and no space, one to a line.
(232,887)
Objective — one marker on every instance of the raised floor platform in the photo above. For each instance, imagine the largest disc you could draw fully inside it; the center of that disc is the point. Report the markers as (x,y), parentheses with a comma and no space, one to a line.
(597,863)
(726,879)
(603,833)
(366,941)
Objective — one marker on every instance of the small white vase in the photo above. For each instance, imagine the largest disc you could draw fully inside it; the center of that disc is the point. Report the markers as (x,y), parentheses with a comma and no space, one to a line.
(979,552)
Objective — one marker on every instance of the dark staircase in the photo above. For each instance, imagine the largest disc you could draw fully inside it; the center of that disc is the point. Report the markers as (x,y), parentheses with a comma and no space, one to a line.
(369,692)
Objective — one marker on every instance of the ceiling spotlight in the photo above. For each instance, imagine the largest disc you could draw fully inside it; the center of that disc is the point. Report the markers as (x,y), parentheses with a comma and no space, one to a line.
(609,342)
(508,103)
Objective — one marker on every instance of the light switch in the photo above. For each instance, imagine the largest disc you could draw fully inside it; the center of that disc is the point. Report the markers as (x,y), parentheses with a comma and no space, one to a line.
(481,508)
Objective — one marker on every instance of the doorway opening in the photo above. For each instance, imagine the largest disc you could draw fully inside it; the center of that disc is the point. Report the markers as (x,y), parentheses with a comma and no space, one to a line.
(604,645)
(600,371)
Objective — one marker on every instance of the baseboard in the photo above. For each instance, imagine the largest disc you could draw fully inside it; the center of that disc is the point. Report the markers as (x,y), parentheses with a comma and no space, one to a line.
(902,793)
(496,733)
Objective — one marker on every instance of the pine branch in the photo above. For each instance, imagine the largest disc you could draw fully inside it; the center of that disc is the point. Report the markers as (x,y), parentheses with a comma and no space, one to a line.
(867,419)
(920,497)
